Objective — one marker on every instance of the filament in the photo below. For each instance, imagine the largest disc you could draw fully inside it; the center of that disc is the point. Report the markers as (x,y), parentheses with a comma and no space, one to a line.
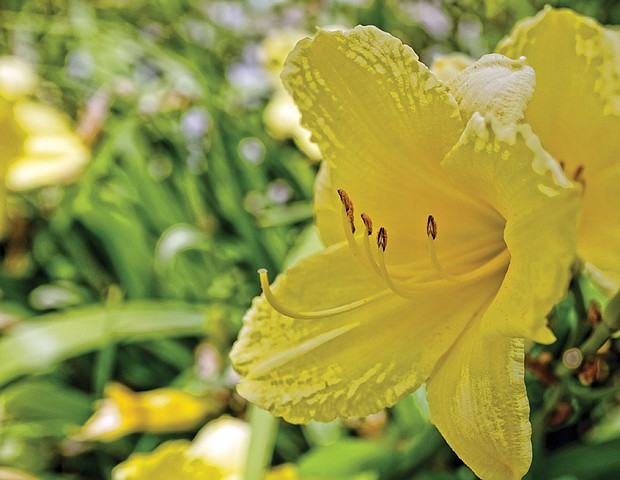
(366,241)
(408,293)
(349,229)
(280,308)
(368,252)
(502,258)
(497,261)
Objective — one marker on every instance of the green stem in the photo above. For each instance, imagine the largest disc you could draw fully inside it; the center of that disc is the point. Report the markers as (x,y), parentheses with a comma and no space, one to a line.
(262,440)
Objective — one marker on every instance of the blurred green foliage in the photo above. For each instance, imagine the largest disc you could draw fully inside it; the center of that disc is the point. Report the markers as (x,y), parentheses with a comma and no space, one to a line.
(151,255)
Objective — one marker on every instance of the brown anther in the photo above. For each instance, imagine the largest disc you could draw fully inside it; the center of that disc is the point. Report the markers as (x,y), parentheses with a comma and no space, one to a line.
(431,227)
(577,176)
(348,206)
(367,222)
(382,238)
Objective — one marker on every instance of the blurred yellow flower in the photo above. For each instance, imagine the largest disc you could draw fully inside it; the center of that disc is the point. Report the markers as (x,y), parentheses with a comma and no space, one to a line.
(218,452)
(7,473)
(17,79)
(444,67)
(168,461)
(38,146)
(575,111)
(123,411)
(281,115)
(474,208)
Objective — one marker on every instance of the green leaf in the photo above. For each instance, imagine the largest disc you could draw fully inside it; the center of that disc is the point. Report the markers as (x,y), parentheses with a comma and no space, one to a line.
(346,458)
(37,344)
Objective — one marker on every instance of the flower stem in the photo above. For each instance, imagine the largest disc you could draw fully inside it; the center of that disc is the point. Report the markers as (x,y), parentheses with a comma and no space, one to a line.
(262,441)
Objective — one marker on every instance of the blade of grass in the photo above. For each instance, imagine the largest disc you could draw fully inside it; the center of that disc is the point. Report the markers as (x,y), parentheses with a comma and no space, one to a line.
(34,346)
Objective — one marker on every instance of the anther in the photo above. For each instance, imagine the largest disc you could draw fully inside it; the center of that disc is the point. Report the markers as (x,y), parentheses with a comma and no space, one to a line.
(348,206)
(431,227)
(347,223)
(382,239)
(367,223)
(382,268)
(280,308)
(577,176)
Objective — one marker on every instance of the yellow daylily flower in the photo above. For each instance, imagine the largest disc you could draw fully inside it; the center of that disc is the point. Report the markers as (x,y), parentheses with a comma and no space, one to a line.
(474,208)
(575,111)
(218,452)
(123,411)
(167,461)
(38,146)
(444,67)
(281,115)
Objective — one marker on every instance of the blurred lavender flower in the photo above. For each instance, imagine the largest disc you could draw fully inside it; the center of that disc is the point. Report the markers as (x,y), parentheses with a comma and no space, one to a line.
(80,64)
(230,15)
(279,192)
(430,16)
(252,150)
(195,123)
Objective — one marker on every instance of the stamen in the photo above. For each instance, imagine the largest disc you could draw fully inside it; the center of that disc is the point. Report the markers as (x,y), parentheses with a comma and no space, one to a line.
(348,223)
(502,258)
(368,223)
(577,176)
(408,293)
(280,308)
(431,227)
(348,207)
(382,239)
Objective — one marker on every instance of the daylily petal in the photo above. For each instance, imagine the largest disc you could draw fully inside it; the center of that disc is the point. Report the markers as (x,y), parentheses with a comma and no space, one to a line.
(382,117)
(222,443)
(508,168)
(17,78)
(39,119)
(48,160)
(123,411)
(167,461)
(478,402)
(319,369)
(11,135)
(575,109)
(447,66)
(494,84)
(599,229)
(576,112)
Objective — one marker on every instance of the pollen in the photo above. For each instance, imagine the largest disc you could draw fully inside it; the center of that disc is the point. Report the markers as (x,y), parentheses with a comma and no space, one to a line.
(431,227)
(382,239)
(367,222)
(348,206)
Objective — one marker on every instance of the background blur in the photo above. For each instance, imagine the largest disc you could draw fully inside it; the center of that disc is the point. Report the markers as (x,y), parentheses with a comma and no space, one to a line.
(131,237)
